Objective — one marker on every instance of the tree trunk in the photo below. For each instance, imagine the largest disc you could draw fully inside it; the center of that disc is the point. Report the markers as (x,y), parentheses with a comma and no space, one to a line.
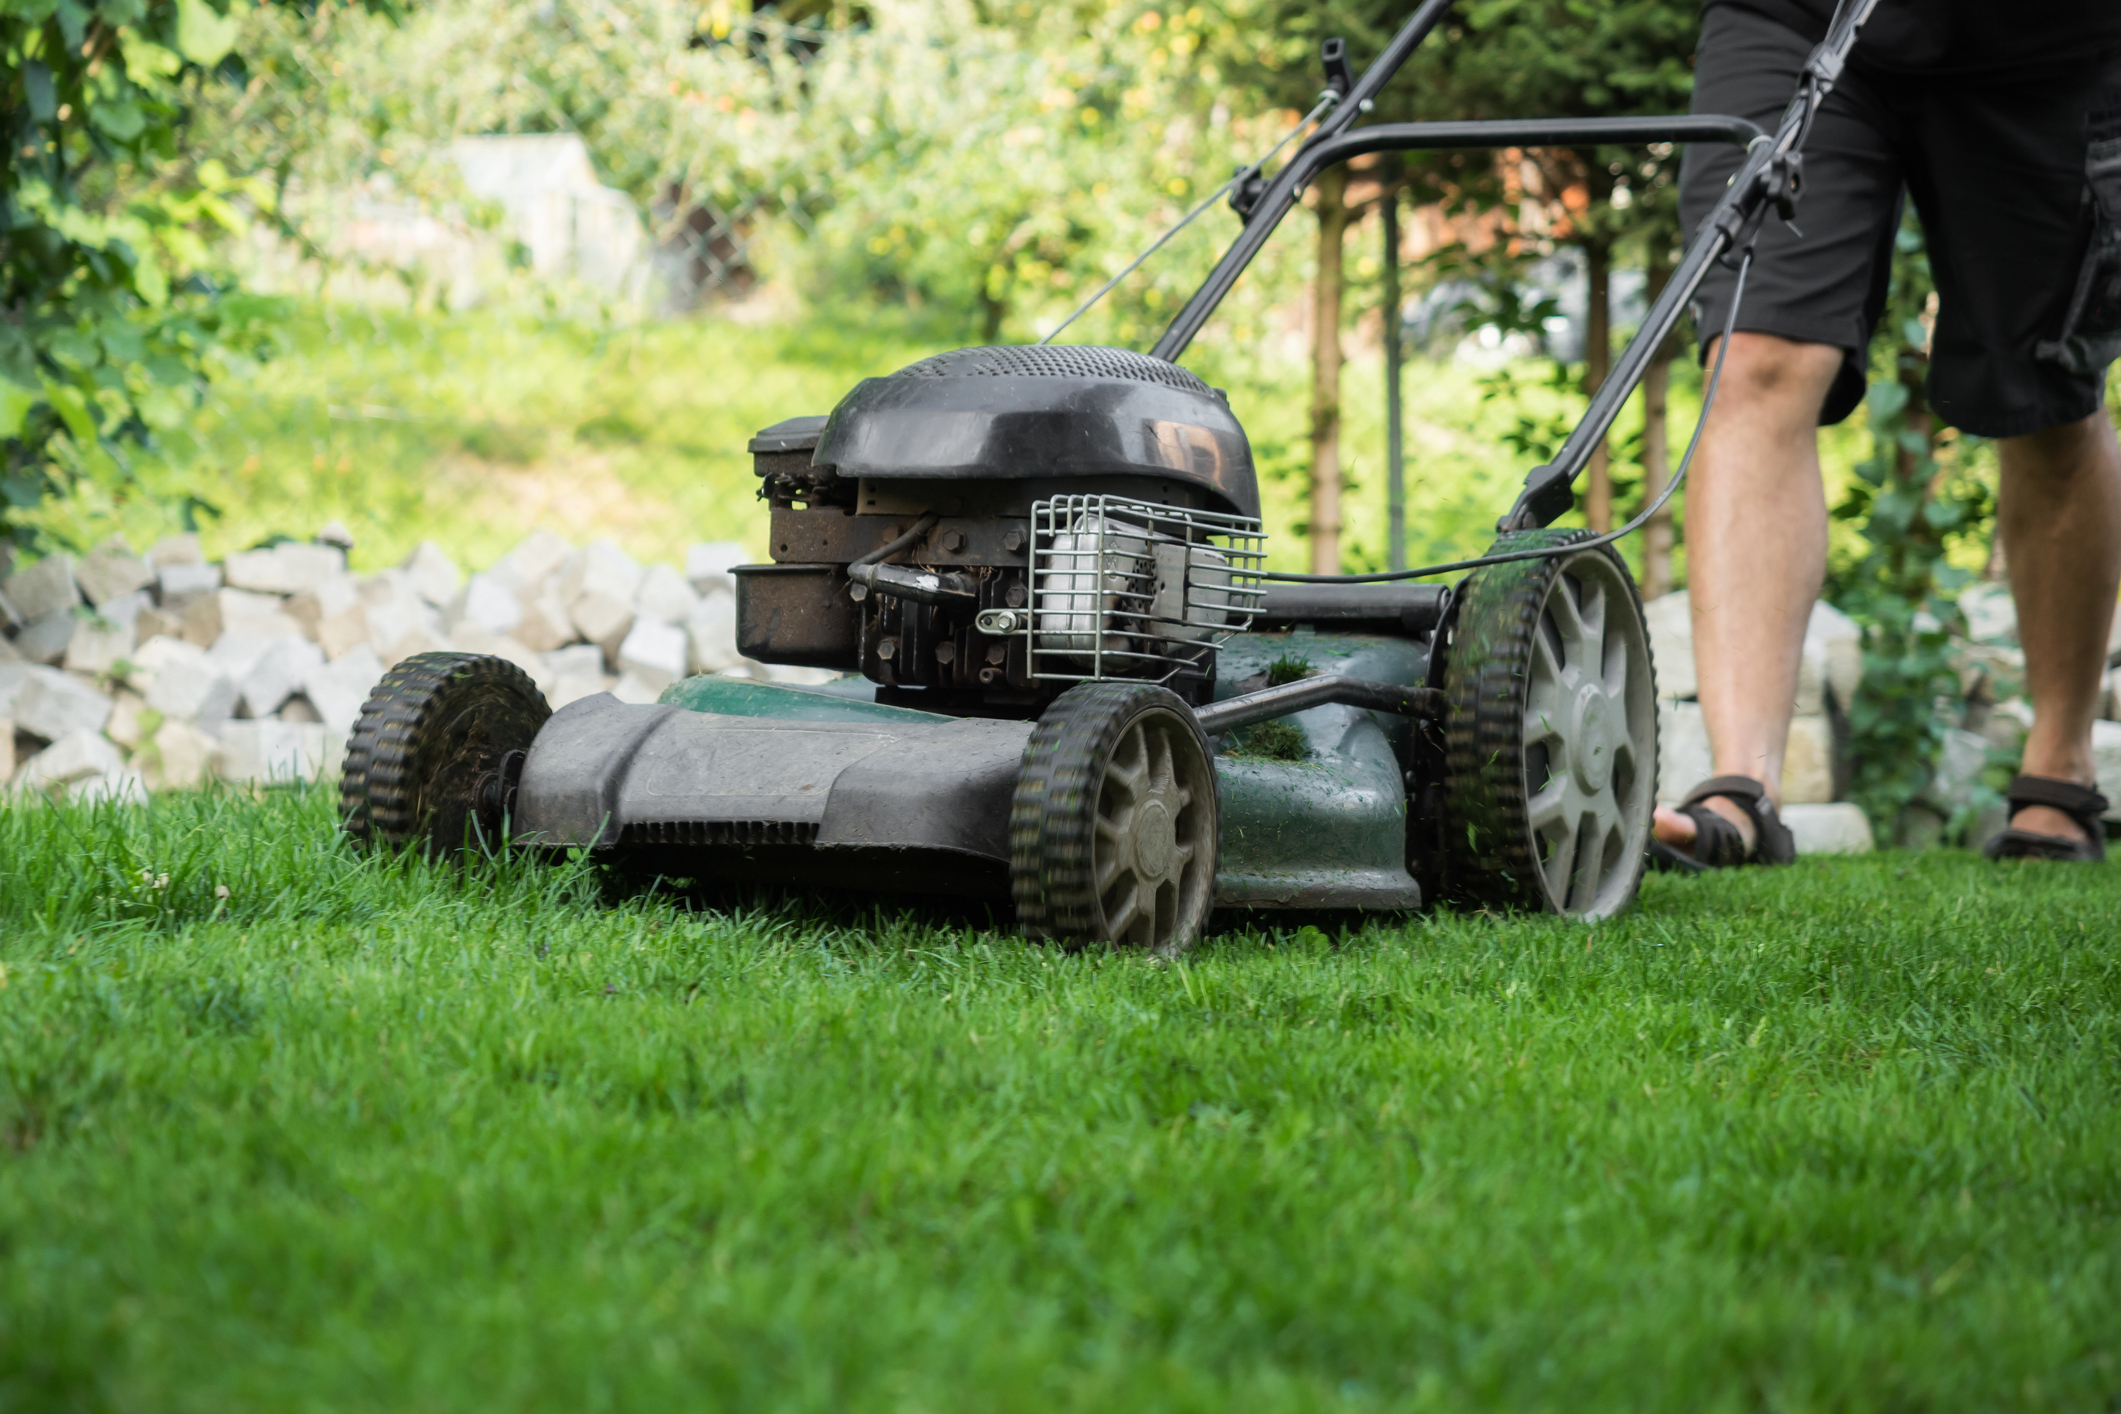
(1656,449)
(1326,292)
(1597,361)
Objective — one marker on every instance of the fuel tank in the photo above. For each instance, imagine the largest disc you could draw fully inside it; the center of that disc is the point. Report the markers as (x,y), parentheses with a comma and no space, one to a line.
(1032,413)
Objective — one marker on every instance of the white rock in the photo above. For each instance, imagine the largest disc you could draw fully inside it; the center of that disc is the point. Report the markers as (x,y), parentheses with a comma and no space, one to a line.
(10,616)
(125,726)
(224,611)
(13,678)
(120,785)
(126,608)
(1842,640)
(710,634)
(1808,762)
(796,676)
(188,686)
(1671,628)
(470,638)
(664,596)
(1959,767)
(341,633)
(573,686)
(708,563)
(73,756)
(384,586)
(279,753)
(575,659)
(289,568)
(53,704)
(276,674)
(179,584)
(604,621)
(178,757)
(339,688)
(152,623)
(298,709)
(312,606)
(604,570)
(7,750)
(529,563)
(393,621)
(98,645)
(176,550)
(1683,756)
(634,689)
(411,645)
(2009,723)
(46,587)
(487,602)
(112,570)
(433,575)
(45,639)
(545,624)
(1991,615)
(2106,761)
(1829,829)
(334,532)
(1811,680)
(655,653)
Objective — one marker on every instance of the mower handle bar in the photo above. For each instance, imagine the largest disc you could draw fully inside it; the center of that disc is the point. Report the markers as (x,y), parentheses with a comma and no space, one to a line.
(1317,155)
(1770,174)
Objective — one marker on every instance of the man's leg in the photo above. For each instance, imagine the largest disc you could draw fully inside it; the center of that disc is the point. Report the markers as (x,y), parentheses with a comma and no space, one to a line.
(2059,514)
(1756,556)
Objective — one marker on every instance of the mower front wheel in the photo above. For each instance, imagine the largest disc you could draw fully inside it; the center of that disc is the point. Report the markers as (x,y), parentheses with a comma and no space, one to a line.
(435,752)
(1115,828)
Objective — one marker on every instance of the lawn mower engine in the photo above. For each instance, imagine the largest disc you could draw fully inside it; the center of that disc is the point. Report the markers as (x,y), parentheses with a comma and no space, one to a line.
(984,529)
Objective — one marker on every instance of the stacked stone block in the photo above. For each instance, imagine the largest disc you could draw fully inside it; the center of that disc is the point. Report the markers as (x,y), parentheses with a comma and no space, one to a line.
(123,673)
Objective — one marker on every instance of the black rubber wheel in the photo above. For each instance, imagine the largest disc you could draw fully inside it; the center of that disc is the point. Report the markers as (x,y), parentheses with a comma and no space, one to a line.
(1115,827)
(1550,733)
(434,755)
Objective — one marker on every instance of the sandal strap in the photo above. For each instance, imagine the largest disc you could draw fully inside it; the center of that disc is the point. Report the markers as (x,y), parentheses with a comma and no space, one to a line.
(2081,803)
(1742,789)
(1772,841)
(1718,844)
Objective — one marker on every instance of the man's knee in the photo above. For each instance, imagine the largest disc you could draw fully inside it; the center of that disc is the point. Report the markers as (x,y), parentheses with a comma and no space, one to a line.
(1766,370)
(2062,452)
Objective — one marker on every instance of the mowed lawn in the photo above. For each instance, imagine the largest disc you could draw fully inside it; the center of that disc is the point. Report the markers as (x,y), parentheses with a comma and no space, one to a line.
(365,1136)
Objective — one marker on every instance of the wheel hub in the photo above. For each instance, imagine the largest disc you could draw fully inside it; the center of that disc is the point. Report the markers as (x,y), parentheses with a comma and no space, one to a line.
(1593,738)
(1155,839)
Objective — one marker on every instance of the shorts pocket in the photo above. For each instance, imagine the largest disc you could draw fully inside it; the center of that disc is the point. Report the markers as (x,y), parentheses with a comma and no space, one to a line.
(2091,333)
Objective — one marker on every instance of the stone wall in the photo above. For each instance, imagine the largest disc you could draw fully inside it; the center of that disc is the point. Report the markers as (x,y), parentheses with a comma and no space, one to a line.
(122,672)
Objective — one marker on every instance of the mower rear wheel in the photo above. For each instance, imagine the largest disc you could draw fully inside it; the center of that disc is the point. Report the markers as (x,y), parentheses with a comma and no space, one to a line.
(1115,828)
(435,753)
(1550,733)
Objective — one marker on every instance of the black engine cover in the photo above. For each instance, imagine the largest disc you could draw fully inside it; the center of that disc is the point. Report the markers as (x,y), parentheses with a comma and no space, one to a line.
(1025,412)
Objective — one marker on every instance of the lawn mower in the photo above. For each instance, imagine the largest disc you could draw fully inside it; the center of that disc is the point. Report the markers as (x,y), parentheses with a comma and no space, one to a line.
(1070,682)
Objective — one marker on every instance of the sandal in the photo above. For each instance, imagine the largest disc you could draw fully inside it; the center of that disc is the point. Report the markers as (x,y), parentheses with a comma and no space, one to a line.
(2081,803)
(1717,842)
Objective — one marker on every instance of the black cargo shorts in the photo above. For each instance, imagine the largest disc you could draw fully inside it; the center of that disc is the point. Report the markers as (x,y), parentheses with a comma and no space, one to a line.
(2017,179)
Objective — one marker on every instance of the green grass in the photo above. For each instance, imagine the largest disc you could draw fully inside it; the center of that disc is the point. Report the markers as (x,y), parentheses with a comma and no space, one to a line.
(398,1137)
(475,428)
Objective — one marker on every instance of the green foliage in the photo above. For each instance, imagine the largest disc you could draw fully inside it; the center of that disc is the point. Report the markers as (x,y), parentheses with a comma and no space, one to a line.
(1910,500)
(109,326)
(374,1136)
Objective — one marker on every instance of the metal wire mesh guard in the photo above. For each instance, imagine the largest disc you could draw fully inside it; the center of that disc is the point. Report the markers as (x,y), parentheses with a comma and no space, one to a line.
(1129,589)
